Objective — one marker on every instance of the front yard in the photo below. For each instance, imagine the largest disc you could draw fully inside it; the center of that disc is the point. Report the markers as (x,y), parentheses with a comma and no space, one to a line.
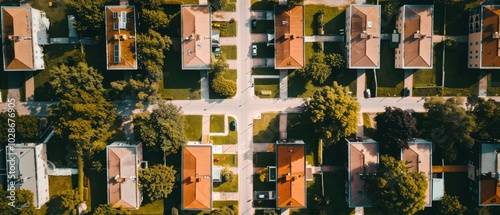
(266,129)
(267,88)
(225,160)
(231,138)
(193,127)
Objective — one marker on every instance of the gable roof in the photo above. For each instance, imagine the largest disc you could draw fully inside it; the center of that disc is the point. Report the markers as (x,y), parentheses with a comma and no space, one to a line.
(289,36)
(197,177)
(122,166)
(196,36)
(419,156)
(364,36)
(490,45)
(18,54)
(490,170)
(363,158)
(417,36)
(291,176)
(121,18)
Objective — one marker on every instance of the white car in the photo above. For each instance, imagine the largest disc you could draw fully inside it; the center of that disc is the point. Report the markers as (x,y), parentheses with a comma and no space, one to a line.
(254,50)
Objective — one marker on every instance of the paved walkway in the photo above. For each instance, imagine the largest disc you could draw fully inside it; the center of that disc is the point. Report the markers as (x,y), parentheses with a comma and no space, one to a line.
(223,16)
(233,64)
(128,127)
(29,86)
(324,38)
(483,84)
(259,38)
(263,14)
(408,81)
(262,62)
(283,84)
(14,85)
(228,41)
(440,38)
(265,76)
(204,85)
(225,196)
(360,83)
(262,147)
(205,128)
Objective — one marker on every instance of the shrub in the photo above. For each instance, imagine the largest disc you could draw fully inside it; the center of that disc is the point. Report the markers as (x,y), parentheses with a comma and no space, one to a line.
(174,211)
(227,175)
(262,174)
(223,87)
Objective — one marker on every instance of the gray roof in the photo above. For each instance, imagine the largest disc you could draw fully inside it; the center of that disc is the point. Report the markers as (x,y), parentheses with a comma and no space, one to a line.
(489,157)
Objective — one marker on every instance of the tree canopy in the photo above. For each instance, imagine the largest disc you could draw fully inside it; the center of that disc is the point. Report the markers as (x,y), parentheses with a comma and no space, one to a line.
(450,205)
(394,128)
(225,210)
(106,209)
(64,203)
(162,129)
(154,19)
(26,127)
(223,86)
(487,117)
(65,79)
(23,201)
(218,4)
(394,190)
(333,113)
(317,69)
(89,14)
(449,126)
(157,181)
(151,46)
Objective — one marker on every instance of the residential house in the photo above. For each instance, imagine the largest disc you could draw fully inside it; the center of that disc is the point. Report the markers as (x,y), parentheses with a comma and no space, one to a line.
(196,176)
(484,174)
(121,45)
(415,27)
(363,36)
(24,31)
(27,163)
(419,158)
(291,175)
(362,160)
(289,36)
(124,160)
(196,37)
(484,51)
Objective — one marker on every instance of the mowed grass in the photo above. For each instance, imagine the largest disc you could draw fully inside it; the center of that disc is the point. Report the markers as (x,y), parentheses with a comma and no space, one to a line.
(153,208)
(179,84)
(226,186)
(265,71)
(226,160)
(334,19)
(217,123)
(263,85)
(231,138)
(192,127)
(390,80)
(266,129)
(229,52)
(230,6)
(227,29)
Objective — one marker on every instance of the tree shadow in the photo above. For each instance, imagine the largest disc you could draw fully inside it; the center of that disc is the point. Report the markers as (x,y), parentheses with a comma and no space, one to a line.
(270,133)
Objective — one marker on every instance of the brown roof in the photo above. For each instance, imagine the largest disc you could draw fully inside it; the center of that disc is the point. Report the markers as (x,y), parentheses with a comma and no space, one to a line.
(490,45)
(17,22)
(363,159)
(364,36)
(419,156)
(197,177)
(291,178)
(123,189)
(289,34)
(124,38)
(196,37)
(490,191)
(417,36)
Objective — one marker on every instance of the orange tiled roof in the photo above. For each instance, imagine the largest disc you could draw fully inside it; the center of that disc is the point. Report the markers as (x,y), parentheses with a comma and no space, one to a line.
(365,36)
(196,37)
(123,188)
(123,37)
(490,45)
(289,31)
(291,183)
(417,36)
(197,177)
(17,22)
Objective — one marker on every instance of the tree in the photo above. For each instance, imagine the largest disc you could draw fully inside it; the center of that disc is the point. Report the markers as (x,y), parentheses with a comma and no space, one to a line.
(394,128)
(21,205)
(150,4)
(220,65)
(65,79)
(227,175)
(163,129)
(157,181)
(89,14)
(394,190)
(174,211)
(317,70)
(295,1)
(218,4)
(223,87)
(151,47)
(270,212)
(336,60)
(451,43)
(106,209)
(481,211)
(323,205)
(333,113)
(26,127)
(390,9)
(154,19)
(449,126)
(139,88)
(225,211)
(450,205)
(63,203)
(487,117)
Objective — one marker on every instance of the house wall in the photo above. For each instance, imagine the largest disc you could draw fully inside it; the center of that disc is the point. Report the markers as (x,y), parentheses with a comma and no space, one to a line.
(42,179)
(398,58)
(474,58)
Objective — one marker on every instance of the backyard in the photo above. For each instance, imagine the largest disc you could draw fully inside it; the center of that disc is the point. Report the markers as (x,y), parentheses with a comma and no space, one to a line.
(493,84)
(178,84)
(333,18)
(298,128)
(389,79)
(262,4)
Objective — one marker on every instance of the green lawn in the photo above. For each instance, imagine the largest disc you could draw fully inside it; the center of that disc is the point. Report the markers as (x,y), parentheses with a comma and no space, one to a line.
(226,186)
(334,19)
(493,84)
(231,6)
(227,29)
(217,123)
(267,84)
(230,74)
(265,71)
(299,129)
(263,26)
(179,84)
(153,208)
(231,138)
(390,80)
(59,184)
(262,4)
(266,129)
(226,160)
(229,52)
(264,51)
(219,204)
(264,159)
(193,127)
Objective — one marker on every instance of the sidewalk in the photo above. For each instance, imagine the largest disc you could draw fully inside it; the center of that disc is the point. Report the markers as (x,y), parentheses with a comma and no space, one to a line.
(228,41)
(409,80)
(225,196)
(204,85)
(360,83)
(283,84)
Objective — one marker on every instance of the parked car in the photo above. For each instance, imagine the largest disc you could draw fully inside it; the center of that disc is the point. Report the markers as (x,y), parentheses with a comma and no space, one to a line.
(254,50)
(217,51)
(368,94)
(405,92)
(232,126)
(263,195)
(254,23)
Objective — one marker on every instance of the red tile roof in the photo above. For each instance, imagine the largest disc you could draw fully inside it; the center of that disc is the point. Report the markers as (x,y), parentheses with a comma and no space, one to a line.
(291,176)
(289,34)
(197,177)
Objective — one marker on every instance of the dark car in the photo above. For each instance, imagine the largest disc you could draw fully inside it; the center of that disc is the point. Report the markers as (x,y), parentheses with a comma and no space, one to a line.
(232,125)
(368,94)
(405,92)
(254,23)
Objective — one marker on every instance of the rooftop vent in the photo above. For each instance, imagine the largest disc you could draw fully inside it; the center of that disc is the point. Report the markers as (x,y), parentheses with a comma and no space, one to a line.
(496,35)
(369,24)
